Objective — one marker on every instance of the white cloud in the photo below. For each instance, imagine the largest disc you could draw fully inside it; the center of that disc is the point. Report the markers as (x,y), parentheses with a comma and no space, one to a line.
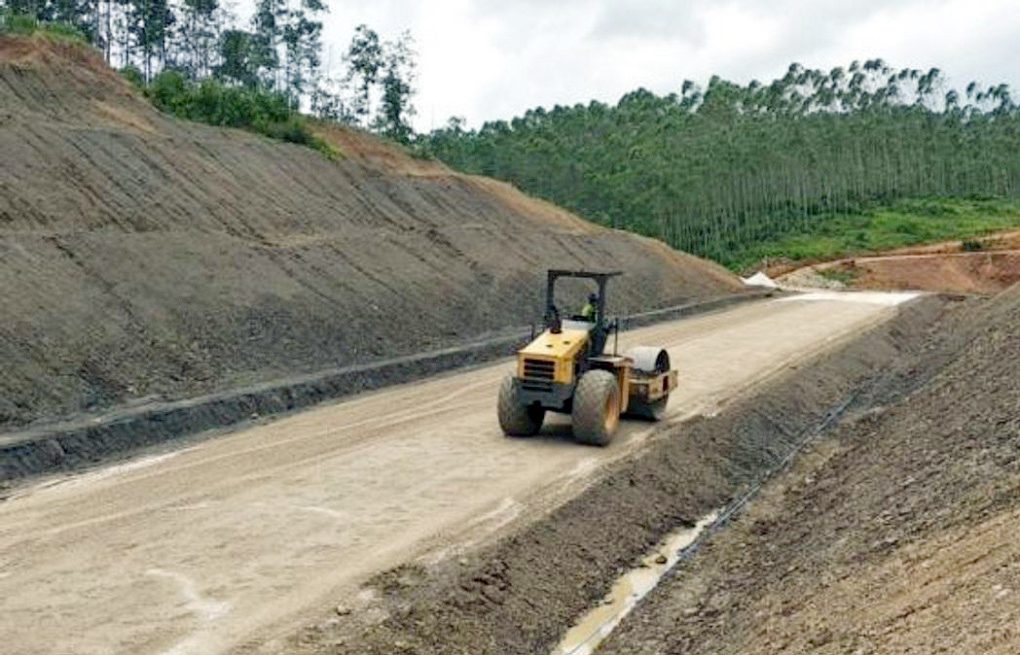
(490,59)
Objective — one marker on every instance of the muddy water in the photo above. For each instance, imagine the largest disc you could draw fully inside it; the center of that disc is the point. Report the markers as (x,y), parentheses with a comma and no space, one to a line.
(596,625)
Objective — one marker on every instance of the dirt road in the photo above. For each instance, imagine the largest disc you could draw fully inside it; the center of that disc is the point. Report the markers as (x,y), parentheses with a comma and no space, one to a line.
(236,541)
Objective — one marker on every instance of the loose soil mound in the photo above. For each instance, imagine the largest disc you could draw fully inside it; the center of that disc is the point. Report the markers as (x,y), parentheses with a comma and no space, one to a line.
(897,535)
(142,257)
(963,273)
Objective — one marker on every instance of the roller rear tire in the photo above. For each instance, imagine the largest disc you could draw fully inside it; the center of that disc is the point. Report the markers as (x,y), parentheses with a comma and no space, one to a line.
(596,413)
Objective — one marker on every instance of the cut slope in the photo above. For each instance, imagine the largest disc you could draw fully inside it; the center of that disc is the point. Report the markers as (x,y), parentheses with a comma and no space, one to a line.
(143,256)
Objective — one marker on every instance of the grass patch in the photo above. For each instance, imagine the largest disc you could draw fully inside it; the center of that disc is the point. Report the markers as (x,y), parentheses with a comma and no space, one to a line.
(903,223)
(212,102)
(842,275)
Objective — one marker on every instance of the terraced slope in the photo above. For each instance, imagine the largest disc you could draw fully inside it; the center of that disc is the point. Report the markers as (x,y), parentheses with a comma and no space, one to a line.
(142,256)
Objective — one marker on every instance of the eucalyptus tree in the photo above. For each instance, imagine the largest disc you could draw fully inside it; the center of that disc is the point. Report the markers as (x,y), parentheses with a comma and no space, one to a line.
(198,35)
(149,24)
(365,61)
(240,58)
(397,89)
(711,167)
(302,41)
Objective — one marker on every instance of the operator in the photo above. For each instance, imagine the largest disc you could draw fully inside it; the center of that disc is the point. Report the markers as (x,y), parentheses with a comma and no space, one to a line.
(588,311)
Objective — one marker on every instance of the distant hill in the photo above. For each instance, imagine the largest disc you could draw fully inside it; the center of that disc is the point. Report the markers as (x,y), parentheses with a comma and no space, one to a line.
(716,171)
(144,256)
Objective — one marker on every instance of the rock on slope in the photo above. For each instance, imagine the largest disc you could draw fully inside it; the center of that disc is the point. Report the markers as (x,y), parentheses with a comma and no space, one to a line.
(144,256)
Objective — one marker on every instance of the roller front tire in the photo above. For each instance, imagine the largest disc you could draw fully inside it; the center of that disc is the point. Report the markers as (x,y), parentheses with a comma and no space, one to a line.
(596,412)
(515,418)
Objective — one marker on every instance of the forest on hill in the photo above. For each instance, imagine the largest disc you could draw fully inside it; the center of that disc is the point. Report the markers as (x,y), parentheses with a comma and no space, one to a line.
(719,170)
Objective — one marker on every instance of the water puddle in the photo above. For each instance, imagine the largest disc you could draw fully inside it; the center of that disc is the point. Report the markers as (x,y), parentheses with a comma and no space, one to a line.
(597,624)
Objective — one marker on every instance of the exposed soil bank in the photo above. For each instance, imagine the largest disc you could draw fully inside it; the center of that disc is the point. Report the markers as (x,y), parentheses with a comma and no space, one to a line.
(895,535)
(996,241)
(520,594)
(143,257)
(90,439)
(959,272)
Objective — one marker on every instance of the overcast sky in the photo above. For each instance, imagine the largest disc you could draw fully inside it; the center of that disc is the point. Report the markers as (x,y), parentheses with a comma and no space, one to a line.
(490,59)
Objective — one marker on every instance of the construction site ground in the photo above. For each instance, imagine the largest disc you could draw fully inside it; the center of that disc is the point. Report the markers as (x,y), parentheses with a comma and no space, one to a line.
(895,534)
(239,541)
(148,261)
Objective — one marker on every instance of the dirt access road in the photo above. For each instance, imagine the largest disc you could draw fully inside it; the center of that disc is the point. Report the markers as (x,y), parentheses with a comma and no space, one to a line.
(235,542)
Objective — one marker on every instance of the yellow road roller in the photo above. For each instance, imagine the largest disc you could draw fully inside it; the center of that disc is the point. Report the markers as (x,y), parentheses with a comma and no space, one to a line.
(565,369)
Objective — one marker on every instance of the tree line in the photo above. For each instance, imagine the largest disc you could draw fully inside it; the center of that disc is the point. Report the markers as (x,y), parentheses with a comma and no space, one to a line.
(711,169)
(278,52)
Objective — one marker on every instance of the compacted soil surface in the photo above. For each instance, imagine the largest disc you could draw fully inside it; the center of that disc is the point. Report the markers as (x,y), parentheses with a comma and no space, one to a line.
(520,594)
(240,541)
(145,258)
(895,534)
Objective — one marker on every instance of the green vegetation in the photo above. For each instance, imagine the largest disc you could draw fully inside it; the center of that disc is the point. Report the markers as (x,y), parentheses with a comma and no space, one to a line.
(904,223)
(792,167)
(842,275)
(812,165)
(208,65)
(28,25)
(213,102)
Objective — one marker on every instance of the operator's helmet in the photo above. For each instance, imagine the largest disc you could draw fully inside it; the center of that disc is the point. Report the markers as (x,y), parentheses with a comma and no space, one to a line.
(593,298)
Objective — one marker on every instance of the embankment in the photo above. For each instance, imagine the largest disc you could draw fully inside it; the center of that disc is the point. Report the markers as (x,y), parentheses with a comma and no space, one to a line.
(895,534)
